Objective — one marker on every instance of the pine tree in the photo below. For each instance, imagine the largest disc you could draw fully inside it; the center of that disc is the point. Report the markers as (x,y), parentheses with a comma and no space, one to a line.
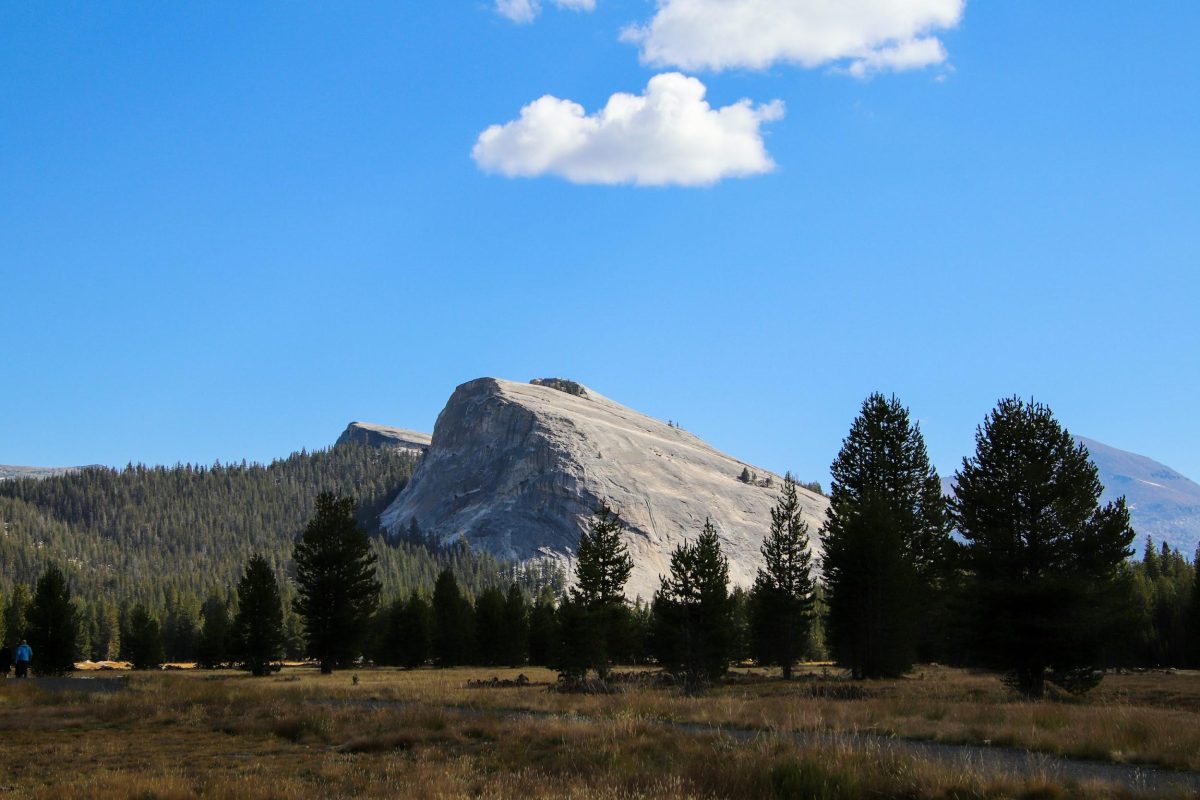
(453,623)
(1194,613)
(1044,558)
(886,541)
(781,606)
(597,624)
(216,630)
(106,631)
(335,578)
(1150,559)
(516,627)
(414,630)
(491,645)
(15,612)
(53,624)
(544,634)
(141,642)
(693,620)
(258,626)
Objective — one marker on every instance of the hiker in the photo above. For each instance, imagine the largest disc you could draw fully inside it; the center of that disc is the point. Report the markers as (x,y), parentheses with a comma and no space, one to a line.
(5,660)
(24,656)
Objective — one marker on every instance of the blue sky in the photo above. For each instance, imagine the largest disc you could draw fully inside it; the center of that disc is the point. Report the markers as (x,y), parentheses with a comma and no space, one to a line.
(228,230)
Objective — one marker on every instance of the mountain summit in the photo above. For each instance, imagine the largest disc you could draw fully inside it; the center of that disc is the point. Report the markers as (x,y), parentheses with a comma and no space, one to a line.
(517,469)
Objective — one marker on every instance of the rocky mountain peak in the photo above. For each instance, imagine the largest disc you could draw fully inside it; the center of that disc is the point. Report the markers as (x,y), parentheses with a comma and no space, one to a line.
(518,468)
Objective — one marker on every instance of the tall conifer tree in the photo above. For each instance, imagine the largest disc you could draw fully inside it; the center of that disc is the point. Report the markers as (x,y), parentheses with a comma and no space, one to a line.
(781,604)
(335,578)
(886,542)
(52,625)
(692,614)
(258,627)
(1044,558)
(595,623)
(453,622)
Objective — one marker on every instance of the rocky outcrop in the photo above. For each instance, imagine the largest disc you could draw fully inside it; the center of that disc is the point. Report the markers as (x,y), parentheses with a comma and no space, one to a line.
(517,469)
(384,436)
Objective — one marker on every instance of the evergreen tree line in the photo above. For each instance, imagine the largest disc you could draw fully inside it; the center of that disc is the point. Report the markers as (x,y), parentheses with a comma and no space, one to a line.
(1037,586)
(174,541)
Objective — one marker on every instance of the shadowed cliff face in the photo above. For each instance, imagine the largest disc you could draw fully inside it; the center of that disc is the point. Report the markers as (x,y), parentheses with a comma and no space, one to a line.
(517,469)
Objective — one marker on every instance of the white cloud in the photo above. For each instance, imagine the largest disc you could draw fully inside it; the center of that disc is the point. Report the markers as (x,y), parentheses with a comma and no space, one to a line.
(859,36)
(525,11)
(668,135)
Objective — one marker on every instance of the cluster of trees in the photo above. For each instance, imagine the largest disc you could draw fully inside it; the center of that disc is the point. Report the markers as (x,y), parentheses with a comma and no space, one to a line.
(174,541)
(1036,585)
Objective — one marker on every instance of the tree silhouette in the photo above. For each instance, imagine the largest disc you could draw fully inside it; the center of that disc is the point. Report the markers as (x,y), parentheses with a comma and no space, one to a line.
(336,583)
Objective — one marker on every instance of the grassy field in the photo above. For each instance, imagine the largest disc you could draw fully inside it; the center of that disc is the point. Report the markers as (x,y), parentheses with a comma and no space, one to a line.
(425,733)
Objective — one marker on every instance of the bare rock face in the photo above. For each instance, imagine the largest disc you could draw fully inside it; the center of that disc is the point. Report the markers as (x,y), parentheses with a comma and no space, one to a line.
(384,436)
(517,469)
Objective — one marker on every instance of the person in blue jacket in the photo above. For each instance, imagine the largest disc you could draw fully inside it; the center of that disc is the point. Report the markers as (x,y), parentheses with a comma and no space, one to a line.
(24,656)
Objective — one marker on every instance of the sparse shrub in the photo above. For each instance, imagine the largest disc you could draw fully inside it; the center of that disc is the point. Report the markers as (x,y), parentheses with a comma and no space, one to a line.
(806,779)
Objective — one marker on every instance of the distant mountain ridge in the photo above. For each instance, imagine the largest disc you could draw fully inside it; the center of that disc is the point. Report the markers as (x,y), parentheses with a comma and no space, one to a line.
(10,471)
(374,435)
(1163,504)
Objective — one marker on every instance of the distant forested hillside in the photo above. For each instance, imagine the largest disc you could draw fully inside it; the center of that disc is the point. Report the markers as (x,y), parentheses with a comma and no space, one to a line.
(165,535)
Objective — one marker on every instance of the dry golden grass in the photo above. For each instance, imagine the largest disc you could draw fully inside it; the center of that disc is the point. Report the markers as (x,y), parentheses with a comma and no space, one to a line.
(1150,718)
(401,734)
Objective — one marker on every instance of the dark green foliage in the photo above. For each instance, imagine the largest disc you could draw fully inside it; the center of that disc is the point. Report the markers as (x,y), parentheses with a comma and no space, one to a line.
(1193,637)
(491,638)
(578,649)
(887,544)
(257,636)
(597,598)
(103,625)
(781,605)
(140,532)
(544,633)
(141,639)
(516,627)
(180,628)
(15,612)
(168,537)
(214,647)
(1157,628)
(743,636)
(604,563)
(52,624)
(335,580)
(1045,560)
(414,630)
(453,623)
(693,623)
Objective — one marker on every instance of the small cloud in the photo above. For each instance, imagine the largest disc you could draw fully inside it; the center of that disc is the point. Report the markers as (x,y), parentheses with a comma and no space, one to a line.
(669,135)
(524,12)
(859,36)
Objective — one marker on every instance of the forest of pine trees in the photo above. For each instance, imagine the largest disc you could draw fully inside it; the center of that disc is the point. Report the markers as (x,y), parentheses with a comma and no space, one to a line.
(155,565)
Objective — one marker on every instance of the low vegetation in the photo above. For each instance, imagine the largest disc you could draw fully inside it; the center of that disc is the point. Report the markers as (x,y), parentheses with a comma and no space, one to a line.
(426,733)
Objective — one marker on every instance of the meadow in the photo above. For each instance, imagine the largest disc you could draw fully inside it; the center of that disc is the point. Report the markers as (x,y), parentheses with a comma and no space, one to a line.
(434,733)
